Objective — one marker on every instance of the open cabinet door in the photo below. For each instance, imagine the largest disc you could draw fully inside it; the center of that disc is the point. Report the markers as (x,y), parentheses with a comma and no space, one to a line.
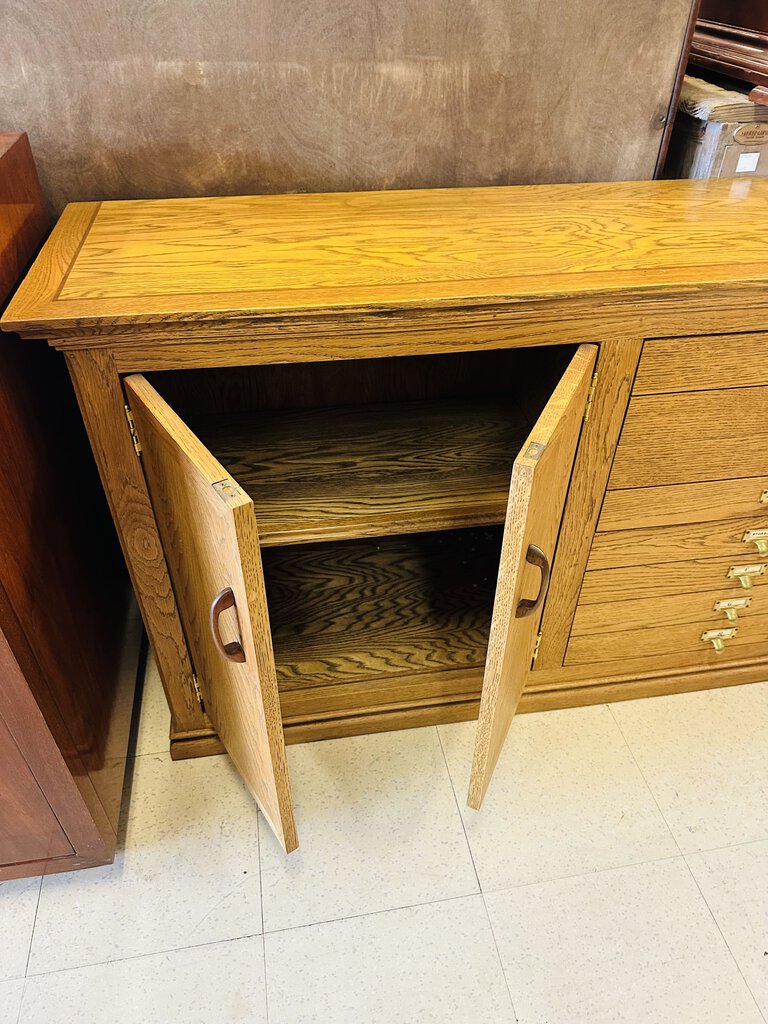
(540,479)
(208,528)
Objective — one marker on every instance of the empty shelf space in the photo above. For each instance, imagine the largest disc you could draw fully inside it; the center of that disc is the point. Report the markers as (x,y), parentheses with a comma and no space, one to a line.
(356,471)
(361,619)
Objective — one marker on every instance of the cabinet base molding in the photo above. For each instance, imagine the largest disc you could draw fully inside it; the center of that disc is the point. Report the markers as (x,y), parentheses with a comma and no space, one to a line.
(549,697)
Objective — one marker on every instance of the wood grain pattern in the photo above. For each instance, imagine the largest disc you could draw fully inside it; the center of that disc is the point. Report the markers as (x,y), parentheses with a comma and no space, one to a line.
(369,613)
(102,404)
(616,364)
(676,543)
(545,691)
(714,362)
(358,471)
(300,255)
(673,609)
(295,96)
(694,436)
(540,479)
(211,543)
(683,639)
(663,578)
(675,504)
(24,221)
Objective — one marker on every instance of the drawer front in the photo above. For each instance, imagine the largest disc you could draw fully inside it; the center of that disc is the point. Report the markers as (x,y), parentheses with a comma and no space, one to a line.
(741,539)
(677,504)
(711,607)
(664,579)
(702,364)
(682,640)
(692,437)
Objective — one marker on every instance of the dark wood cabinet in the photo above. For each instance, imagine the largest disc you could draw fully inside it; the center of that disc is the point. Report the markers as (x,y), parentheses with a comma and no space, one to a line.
(69,635)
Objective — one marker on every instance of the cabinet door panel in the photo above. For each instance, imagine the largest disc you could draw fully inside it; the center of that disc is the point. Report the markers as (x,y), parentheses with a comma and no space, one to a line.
(208,528)
(540,478)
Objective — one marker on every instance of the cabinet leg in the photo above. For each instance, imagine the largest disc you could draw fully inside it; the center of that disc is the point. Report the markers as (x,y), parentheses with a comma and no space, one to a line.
(102,403)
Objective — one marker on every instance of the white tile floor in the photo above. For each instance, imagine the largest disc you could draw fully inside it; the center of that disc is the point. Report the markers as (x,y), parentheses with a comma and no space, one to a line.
(618,872)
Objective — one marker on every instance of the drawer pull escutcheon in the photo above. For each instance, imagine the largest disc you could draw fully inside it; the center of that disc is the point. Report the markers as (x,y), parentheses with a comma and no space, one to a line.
(717,637)
(744,573)
(535,556)
(731,605)
(232,651)
(759,538)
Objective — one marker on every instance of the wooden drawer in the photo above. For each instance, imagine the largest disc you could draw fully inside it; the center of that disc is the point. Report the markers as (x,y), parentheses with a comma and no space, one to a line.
(702,364)
(676,504)
(729,537)
(673,609)
(678,639)
(693,436)
(668,578)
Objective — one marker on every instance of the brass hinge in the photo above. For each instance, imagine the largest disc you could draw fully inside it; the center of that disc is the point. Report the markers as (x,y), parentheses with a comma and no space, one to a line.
(590,396)
(198,691)
(132,428)
(536,649)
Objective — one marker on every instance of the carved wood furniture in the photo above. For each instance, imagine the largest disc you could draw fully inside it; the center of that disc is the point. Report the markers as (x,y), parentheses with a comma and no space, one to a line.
(731,38)
(69,636)
(380,460)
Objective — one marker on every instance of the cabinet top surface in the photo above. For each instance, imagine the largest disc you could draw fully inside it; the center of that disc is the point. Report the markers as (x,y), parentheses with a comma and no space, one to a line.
(189,260)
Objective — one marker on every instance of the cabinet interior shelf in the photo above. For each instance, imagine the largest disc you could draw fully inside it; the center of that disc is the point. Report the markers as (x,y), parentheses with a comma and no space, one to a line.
(352,471)
(349,618)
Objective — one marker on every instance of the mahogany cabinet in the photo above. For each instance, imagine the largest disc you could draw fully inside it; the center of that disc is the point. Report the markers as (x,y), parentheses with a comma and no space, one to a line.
(69,633)
(381,460)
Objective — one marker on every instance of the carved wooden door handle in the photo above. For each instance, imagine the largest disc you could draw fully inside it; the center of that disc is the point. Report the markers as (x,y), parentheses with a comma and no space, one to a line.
(232,651)
(535,556)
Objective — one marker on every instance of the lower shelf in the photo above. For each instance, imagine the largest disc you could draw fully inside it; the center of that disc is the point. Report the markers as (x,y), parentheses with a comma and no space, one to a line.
(370,625)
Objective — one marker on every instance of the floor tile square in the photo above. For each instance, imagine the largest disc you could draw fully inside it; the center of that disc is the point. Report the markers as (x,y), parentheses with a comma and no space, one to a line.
(734,882)
(378,829)
(188,872)
(435,963)
(566,798)
(18,905)
(633,945)
(10,1000)
(705,757)
(217,984)
(153,733)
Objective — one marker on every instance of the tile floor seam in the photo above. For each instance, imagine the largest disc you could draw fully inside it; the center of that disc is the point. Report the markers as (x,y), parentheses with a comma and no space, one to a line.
(581,874)
(266,980)
(34,925)
(372,913)
(143,956)
(21,1001)
(501,962)
(645,780)
(458,809)
(722,936)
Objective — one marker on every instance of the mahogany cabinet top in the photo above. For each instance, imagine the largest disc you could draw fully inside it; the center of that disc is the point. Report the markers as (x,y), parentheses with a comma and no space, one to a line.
(178,261)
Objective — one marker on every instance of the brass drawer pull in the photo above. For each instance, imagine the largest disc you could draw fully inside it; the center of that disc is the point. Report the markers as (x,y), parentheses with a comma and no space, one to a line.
(759,538)
(717,637)
(744,573)
(232,651)
(731,605)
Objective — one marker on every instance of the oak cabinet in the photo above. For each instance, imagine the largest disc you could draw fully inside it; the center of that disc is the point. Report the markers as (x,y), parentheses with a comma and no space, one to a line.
(391,459)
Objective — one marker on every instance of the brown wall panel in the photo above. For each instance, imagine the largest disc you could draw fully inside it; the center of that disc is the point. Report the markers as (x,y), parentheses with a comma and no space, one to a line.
(132,98)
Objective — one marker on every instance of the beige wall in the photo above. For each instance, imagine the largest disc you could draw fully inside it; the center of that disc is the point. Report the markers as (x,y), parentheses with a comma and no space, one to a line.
(180,97)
